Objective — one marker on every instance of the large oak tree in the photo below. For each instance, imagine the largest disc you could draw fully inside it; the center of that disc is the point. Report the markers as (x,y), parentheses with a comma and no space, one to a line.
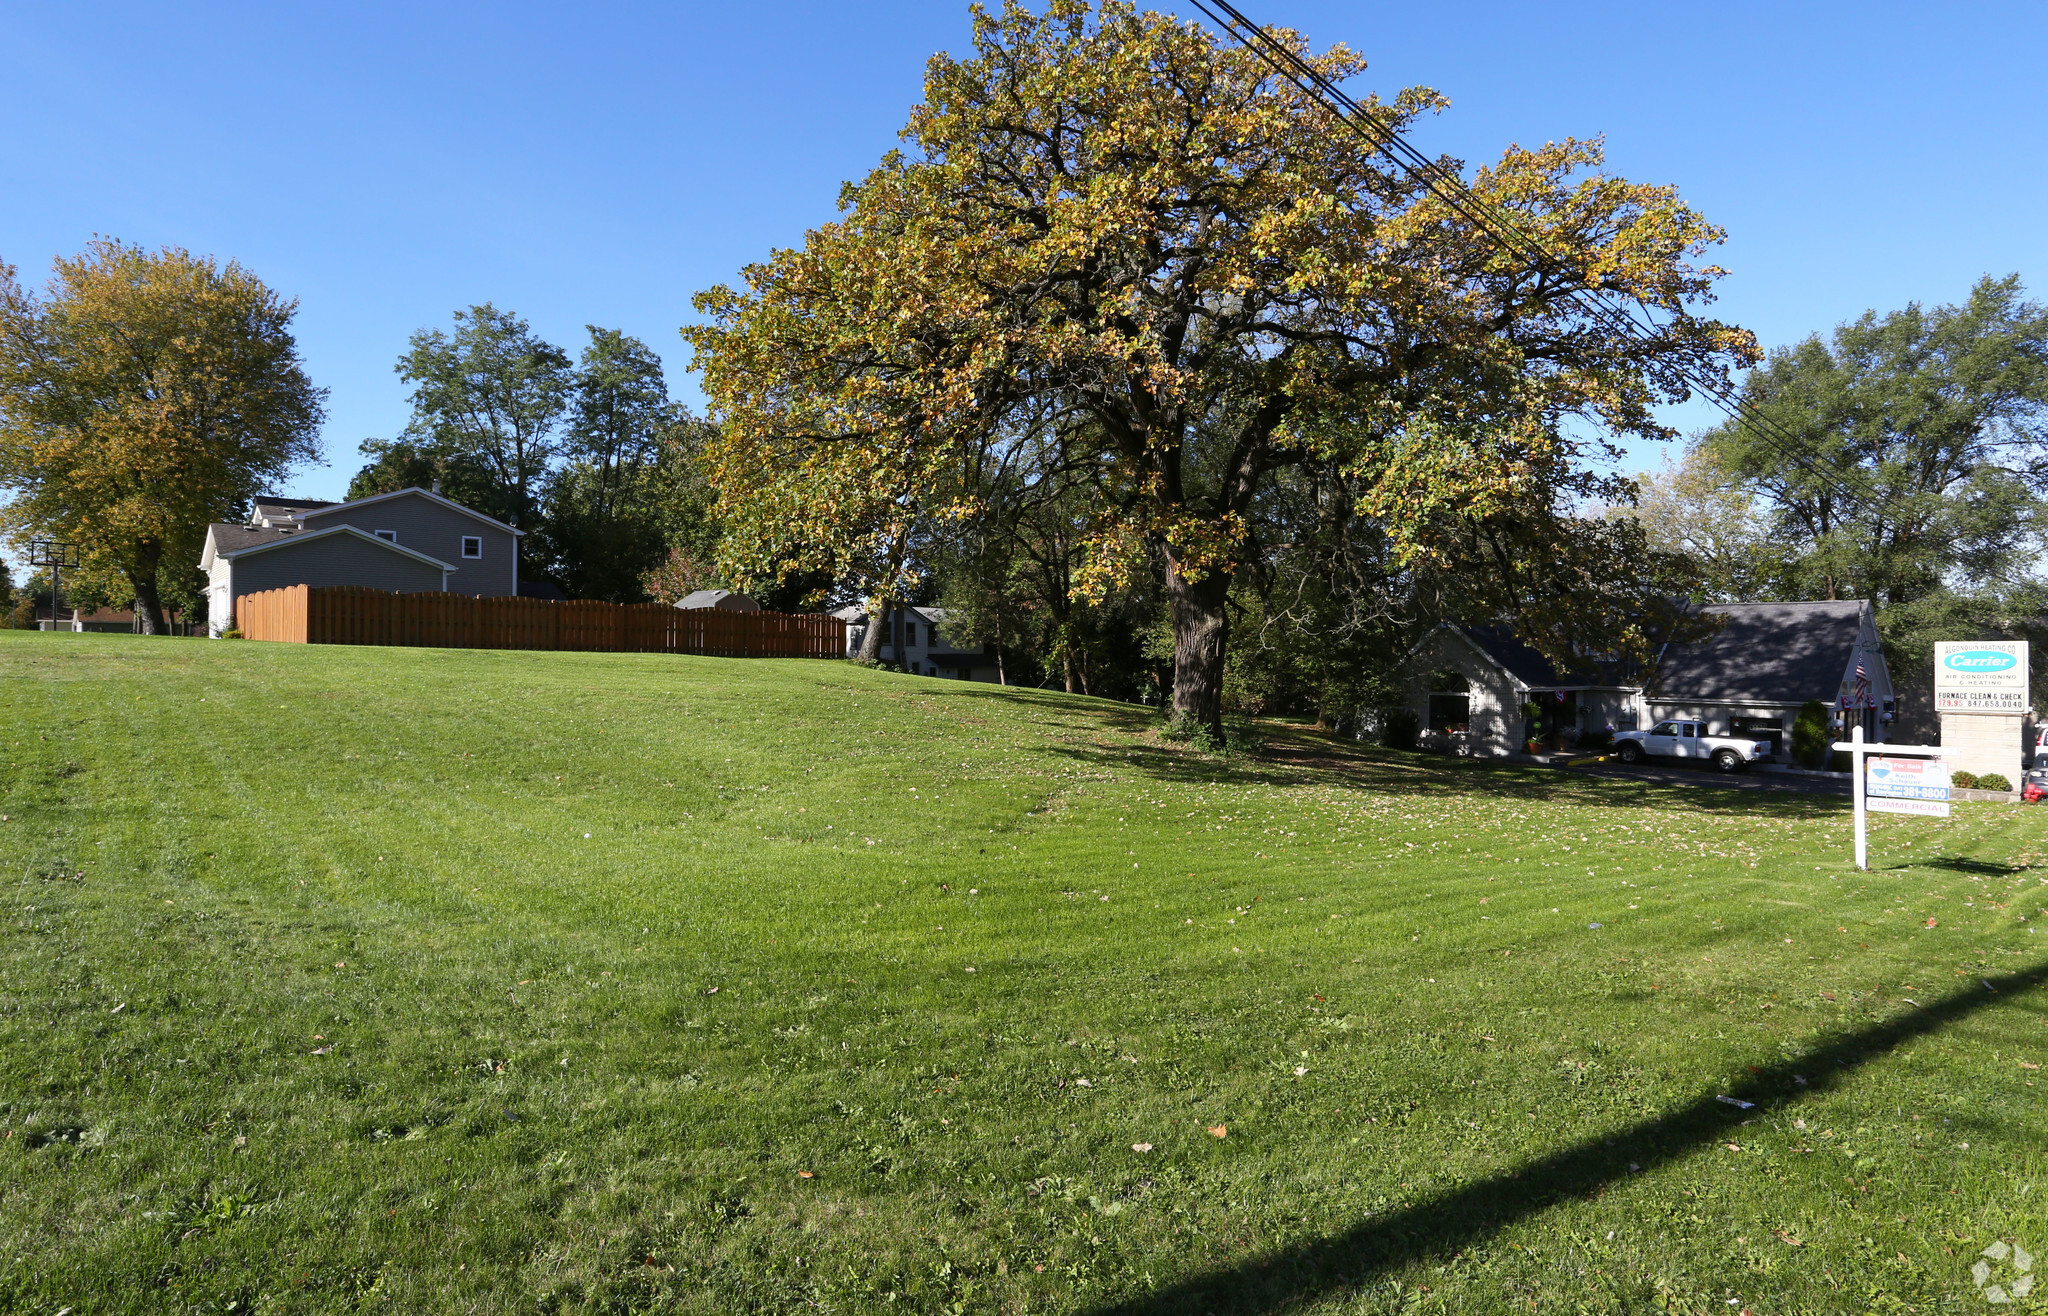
(1188,278)
(144,395)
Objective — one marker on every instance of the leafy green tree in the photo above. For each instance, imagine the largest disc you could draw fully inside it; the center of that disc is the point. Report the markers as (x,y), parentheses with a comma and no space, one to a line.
(1705,518)
(1010,577)
(489,395)
(143,396)
(1919,454)
(621,412)
(601,532)
(1116,214)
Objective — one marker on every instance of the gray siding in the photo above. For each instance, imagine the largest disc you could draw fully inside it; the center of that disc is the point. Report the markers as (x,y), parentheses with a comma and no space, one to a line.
(335,560)
(426,526)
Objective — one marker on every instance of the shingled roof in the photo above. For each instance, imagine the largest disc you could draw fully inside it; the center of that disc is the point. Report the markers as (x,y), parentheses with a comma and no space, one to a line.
(1535,671)
(1780,653)
(234,538)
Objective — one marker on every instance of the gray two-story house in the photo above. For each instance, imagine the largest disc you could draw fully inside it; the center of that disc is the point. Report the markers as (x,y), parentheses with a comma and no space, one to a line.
(414,541)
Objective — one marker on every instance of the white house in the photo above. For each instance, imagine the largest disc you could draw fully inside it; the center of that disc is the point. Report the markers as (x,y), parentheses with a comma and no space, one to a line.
(1470,686)
(914,639)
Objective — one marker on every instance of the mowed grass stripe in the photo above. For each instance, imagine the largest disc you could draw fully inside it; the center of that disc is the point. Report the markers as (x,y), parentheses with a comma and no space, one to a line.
(535,1098)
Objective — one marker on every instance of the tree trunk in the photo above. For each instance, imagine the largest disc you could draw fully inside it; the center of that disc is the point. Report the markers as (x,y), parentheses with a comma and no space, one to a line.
(871,638)
(149,608)
(1200,631)
(1073,671)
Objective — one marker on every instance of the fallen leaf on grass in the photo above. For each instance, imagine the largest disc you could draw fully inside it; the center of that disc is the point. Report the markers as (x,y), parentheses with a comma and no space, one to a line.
(1219,1131)
(2028,1064)
(1141,1146)
(804,1174)
(1930,923)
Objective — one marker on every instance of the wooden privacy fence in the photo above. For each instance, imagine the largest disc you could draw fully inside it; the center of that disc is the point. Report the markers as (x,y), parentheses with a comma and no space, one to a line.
(349,614)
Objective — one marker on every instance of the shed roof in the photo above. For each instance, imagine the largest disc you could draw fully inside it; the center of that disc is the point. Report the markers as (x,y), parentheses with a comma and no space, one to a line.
(718,598)
(1783,653)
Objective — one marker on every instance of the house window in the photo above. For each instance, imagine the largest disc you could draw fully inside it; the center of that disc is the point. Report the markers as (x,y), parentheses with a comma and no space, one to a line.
(472,546)
(1450,703)
(910,634)
(388,536)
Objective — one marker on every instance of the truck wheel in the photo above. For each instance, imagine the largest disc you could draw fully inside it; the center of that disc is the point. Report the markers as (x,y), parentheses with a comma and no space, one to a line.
(1727,760)
(1631,752)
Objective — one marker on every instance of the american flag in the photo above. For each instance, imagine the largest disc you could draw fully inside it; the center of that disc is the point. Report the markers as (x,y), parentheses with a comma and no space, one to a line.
(1861,694)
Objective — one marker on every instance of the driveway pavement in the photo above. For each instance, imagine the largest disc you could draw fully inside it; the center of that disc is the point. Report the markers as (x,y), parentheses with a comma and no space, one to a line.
(1672,774)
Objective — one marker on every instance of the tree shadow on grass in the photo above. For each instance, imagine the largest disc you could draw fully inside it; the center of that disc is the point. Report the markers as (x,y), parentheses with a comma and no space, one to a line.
(1959,864)
(1457,1220)
(1299,756)
(1302,758)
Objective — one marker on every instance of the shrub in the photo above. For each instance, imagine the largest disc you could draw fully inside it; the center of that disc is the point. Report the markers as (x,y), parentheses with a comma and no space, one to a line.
(1400,729)
(232,633)
(1241,736)
(1600,738)
(1810,739)
(1187,729)
(1993,781)
(1963,780)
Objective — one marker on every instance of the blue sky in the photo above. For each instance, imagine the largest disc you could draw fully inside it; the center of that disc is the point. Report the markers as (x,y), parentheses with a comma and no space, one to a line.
(599,163)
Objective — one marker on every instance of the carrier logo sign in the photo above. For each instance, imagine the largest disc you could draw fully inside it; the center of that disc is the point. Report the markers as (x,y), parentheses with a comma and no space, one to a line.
(1979,660)
(1982,676)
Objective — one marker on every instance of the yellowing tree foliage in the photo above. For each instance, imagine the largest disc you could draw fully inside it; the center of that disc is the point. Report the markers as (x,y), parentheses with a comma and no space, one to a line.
(143,396)
(1127,250)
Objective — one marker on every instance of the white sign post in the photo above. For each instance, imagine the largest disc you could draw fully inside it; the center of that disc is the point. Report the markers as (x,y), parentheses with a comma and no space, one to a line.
(1902,779)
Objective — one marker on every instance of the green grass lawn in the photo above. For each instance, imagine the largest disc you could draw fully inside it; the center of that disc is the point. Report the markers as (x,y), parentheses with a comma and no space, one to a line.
(342,979)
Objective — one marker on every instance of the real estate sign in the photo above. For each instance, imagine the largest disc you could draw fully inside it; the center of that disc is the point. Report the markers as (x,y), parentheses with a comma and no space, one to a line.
(1902,785)
(1980,676)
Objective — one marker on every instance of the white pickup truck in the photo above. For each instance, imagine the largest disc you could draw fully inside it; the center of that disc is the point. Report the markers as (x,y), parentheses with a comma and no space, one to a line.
(1690,741)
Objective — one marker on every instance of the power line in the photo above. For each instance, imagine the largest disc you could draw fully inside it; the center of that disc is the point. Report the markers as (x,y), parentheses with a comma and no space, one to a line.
(1449,188)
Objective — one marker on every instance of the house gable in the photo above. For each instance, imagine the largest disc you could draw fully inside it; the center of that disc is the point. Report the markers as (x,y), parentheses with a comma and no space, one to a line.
(343,555)
(486,551)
